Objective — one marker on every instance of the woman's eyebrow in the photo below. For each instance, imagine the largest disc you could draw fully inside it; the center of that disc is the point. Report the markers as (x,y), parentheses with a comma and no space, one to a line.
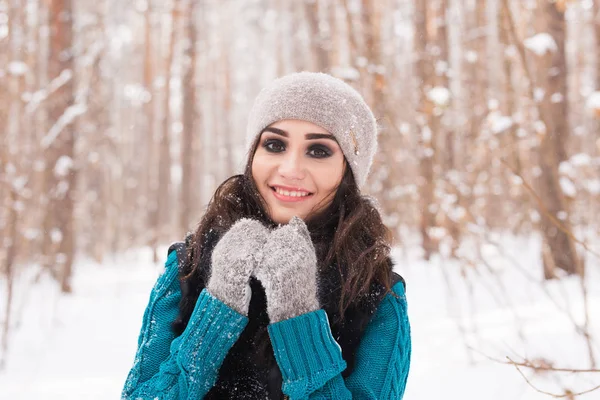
(308,136)
(312,136)
(279,132)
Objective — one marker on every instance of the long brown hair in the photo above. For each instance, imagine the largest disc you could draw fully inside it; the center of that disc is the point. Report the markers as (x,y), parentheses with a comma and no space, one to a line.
(348,234)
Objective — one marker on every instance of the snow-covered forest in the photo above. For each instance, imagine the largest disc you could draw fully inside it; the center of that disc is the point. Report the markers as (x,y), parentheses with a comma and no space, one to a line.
(118,119)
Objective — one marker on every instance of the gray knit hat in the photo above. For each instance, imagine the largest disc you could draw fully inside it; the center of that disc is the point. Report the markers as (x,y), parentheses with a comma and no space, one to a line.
(325,101)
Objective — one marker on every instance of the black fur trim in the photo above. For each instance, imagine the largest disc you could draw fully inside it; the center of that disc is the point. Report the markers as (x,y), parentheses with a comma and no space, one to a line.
(180,248)
(398,278)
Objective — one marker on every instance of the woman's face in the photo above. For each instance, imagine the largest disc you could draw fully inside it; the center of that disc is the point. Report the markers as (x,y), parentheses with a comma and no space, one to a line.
(297,168)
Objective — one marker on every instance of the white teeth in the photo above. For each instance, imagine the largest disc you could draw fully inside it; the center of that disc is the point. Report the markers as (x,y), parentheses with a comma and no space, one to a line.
(291,194)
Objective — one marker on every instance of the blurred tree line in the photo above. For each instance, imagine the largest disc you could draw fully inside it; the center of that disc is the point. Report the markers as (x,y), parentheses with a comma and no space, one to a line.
(119,119)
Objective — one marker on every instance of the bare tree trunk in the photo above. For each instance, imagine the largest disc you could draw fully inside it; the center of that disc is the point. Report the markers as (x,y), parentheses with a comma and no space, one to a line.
(371,24)
(148,195)
(4,97)
(39,120)
(96,120)
(552,73)
(278,31)
(557,93)
(596,19)
(352,36)
(59,143)
(476,70)
(9,260)
(510,145)
(164,162)
(333,36)
(507,104)
(226,94)
(8,196)
(189,122)
(596,23)
(426,132)
(5,103)
(375,78)
(318,38)
(444,133)
(299,59)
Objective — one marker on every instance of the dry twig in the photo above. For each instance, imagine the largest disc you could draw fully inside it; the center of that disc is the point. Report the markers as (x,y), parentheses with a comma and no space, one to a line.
(544,367)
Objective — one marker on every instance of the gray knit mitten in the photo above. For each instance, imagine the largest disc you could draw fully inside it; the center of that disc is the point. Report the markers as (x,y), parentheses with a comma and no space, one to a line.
(288,272)
(233,261)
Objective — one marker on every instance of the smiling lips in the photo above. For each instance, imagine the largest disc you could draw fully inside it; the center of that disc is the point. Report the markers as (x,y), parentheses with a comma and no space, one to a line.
(288,194)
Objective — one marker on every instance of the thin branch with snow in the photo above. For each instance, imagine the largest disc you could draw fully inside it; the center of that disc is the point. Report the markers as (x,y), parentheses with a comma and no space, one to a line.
(65,119)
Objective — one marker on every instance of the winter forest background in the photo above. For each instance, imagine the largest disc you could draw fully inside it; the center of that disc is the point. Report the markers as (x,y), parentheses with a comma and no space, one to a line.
(118,119)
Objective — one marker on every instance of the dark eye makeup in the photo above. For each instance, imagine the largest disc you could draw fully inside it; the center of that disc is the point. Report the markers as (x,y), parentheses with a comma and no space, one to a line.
(320,151)
(277,146)
(273,145)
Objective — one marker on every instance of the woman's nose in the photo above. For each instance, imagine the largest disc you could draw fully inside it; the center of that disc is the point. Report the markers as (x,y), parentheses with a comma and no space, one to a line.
(292,167)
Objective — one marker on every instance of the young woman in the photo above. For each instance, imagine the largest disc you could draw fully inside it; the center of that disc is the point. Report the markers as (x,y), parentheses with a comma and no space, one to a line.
(286,288)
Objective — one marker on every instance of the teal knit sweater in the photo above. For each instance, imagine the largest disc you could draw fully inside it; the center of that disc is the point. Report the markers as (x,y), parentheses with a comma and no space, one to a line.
(308,356)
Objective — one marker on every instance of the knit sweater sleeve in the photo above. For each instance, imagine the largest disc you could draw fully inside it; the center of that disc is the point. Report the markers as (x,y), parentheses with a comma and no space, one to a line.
(311,361)
(187,366)
(155,337)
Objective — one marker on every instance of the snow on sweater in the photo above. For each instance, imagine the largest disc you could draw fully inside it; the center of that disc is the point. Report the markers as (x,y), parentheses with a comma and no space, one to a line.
(310,360)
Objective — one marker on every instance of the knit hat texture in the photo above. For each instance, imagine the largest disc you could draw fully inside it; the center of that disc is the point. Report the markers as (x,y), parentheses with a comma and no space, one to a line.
(325,101)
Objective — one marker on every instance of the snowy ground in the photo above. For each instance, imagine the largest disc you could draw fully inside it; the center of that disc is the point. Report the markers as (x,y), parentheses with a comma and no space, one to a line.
(81,346)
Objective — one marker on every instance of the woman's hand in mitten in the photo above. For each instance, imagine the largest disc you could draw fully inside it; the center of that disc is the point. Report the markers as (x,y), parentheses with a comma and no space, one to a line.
(233,261)
(288,271)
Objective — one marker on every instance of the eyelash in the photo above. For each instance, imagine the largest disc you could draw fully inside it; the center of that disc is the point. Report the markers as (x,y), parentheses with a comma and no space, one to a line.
(267,145)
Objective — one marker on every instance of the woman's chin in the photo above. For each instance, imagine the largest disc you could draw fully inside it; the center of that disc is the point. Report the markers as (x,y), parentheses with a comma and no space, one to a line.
(284,218)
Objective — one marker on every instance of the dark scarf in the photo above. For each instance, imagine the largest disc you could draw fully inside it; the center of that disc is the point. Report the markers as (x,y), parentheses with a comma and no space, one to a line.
(250,370)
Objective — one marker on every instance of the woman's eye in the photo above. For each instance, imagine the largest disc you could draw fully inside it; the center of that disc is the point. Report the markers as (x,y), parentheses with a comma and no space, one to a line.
(273,146)
(319,152)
